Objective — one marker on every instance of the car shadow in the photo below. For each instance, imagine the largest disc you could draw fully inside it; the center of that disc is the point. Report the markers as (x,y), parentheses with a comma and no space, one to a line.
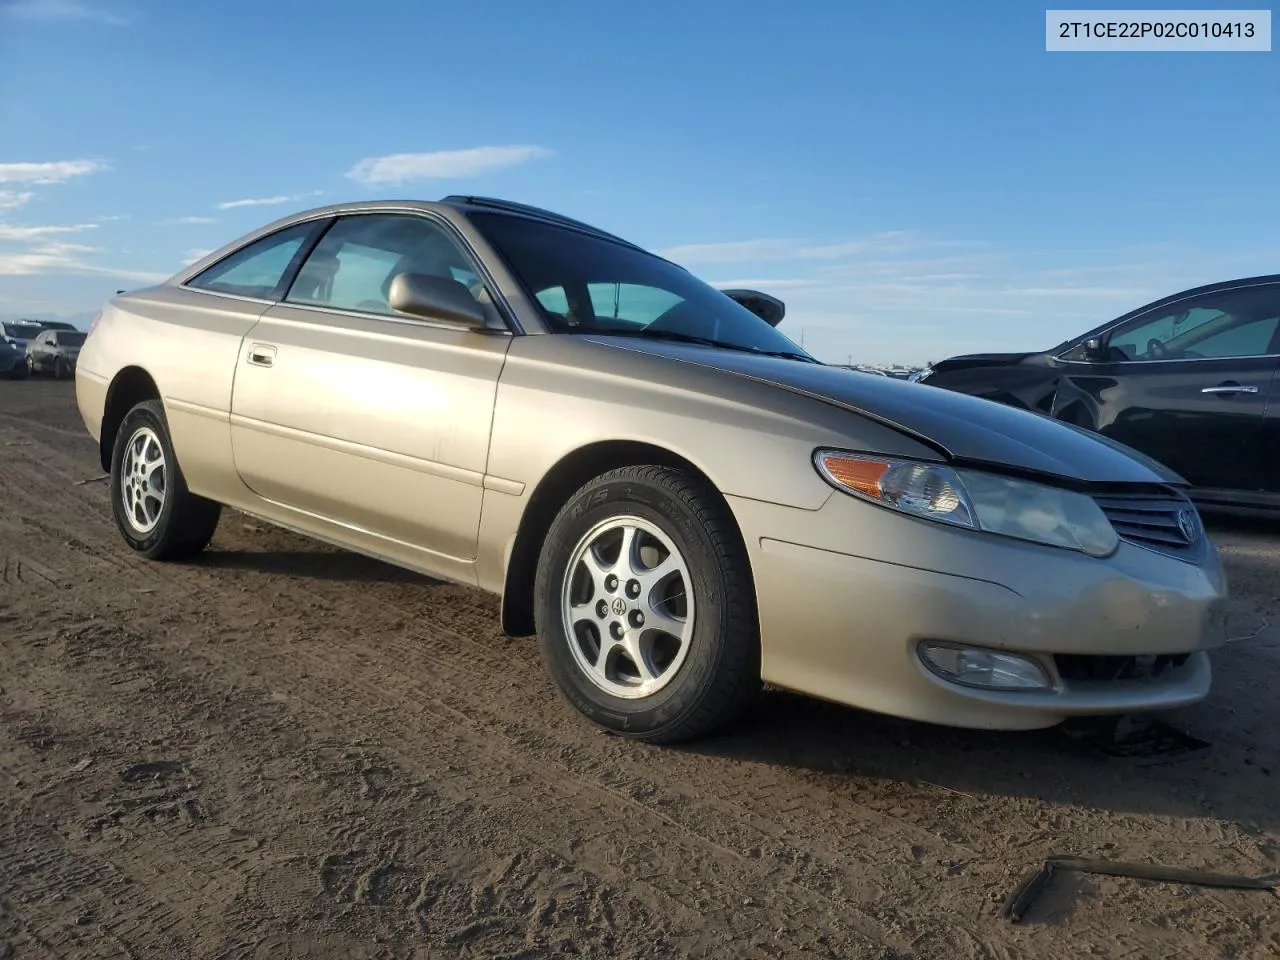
(1201,762)
(311,564)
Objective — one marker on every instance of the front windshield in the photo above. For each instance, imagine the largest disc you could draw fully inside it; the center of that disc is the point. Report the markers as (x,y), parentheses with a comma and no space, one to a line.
(22,331)
(586,284)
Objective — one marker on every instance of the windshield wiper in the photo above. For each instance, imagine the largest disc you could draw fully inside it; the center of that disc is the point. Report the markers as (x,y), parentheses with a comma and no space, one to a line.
(679,337)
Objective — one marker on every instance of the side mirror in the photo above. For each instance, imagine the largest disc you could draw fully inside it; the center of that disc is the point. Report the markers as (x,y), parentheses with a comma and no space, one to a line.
(769,309)
(435,298)
(1093,349)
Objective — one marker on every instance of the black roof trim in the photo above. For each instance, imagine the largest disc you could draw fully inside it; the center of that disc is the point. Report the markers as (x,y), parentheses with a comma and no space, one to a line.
(524,209)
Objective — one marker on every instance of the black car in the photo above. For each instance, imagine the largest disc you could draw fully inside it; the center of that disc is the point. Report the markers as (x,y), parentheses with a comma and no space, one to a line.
(1188,379)
(13,360)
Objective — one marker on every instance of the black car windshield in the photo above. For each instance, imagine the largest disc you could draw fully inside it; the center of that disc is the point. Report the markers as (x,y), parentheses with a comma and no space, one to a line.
(586,284)
(21,330)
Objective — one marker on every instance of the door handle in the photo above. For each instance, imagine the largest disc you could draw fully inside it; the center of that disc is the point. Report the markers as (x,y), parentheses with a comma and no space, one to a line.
(1231,388)
(262,354)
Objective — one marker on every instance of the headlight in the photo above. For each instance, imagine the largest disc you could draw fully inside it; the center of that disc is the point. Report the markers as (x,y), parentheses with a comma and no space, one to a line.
(974,499)
(920,375)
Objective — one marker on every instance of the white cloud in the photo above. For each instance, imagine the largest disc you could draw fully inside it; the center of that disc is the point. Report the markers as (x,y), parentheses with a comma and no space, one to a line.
(442,164)
(66,258)
(267,201)
(56,171)
(191,256)
(8,232)
(111,218)
(254,202)
(63,10)
(12,199)
(173,221)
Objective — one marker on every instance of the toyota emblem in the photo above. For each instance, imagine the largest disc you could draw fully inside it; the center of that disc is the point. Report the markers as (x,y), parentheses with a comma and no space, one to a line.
(1187,524)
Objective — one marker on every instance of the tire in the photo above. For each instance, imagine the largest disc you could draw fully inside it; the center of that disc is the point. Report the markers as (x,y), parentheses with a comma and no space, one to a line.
(688,688)
(30,366)
(59,368)
(184,523)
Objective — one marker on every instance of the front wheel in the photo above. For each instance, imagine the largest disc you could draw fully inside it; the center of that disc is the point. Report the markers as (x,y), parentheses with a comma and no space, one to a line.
(155,512)
(645,608)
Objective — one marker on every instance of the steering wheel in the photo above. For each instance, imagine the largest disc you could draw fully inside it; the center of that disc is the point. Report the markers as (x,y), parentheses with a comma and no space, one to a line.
(1157,350)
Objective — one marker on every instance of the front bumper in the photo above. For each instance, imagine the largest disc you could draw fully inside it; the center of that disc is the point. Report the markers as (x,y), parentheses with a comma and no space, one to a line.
(846,594)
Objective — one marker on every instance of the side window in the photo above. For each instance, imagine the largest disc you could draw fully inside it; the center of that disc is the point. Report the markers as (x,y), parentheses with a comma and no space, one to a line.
(258,269)
(555,300)
(353,266)
(1229,323)
(630,302)
(1135,343)
(1249,339)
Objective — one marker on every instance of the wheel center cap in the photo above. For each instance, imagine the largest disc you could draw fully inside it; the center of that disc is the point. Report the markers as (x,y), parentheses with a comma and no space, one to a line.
(619,606)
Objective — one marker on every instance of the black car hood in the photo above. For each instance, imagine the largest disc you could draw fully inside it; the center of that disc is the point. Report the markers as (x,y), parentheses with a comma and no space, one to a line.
(969,360)
(959,426)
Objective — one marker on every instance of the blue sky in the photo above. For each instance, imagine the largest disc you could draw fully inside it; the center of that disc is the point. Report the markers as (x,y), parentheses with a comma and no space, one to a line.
(914,179)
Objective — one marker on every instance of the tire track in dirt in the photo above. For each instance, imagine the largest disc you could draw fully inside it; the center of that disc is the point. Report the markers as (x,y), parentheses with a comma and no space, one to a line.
(593,825)
(201,855)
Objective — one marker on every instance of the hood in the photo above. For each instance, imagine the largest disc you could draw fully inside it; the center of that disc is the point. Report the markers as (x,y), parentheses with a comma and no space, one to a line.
(961,427)
(972,360)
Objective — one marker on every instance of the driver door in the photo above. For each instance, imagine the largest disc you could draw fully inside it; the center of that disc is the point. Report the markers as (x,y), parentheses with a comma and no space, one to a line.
(1188,384)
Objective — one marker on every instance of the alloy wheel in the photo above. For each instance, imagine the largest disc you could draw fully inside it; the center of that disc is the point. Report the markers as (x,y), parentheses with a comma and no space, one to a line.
(143,480)
(628,607)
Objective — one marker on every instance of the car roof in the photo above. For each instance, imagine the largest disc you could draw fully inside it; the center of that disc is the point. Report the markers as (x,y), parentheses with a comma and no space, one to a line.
(456,203)
(475,204)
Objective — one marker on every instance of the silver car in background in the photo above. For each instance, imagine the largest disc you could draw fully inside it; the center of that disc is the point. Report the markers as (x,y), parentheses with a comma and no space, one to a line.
(55,352)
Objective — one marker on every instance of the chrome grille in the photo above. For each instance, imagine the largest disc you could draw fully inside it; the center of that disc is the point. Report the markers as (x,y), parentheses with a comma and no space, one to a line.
(1169,524)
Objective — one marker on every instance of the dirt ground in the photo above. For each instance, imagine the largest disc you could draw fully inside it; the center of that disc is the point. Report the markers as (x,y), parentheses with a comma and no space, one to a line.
(282,750)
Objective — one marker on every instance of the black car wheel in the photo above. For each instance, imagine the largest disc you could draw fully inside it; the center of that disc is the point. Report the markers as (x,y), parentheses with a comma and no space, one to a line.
(645,607)
(155,512)
(60,369)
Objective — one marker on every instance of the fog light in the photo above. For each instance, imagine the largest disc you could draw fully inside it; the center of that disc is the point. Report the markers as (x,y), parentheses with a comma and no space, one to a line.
(988,669)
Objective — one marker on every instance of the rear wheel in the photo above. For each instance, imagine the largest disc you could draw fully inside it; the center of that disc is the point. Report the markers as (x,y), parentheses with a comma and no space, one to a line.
(155,512)
(60,368)
(645,607)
